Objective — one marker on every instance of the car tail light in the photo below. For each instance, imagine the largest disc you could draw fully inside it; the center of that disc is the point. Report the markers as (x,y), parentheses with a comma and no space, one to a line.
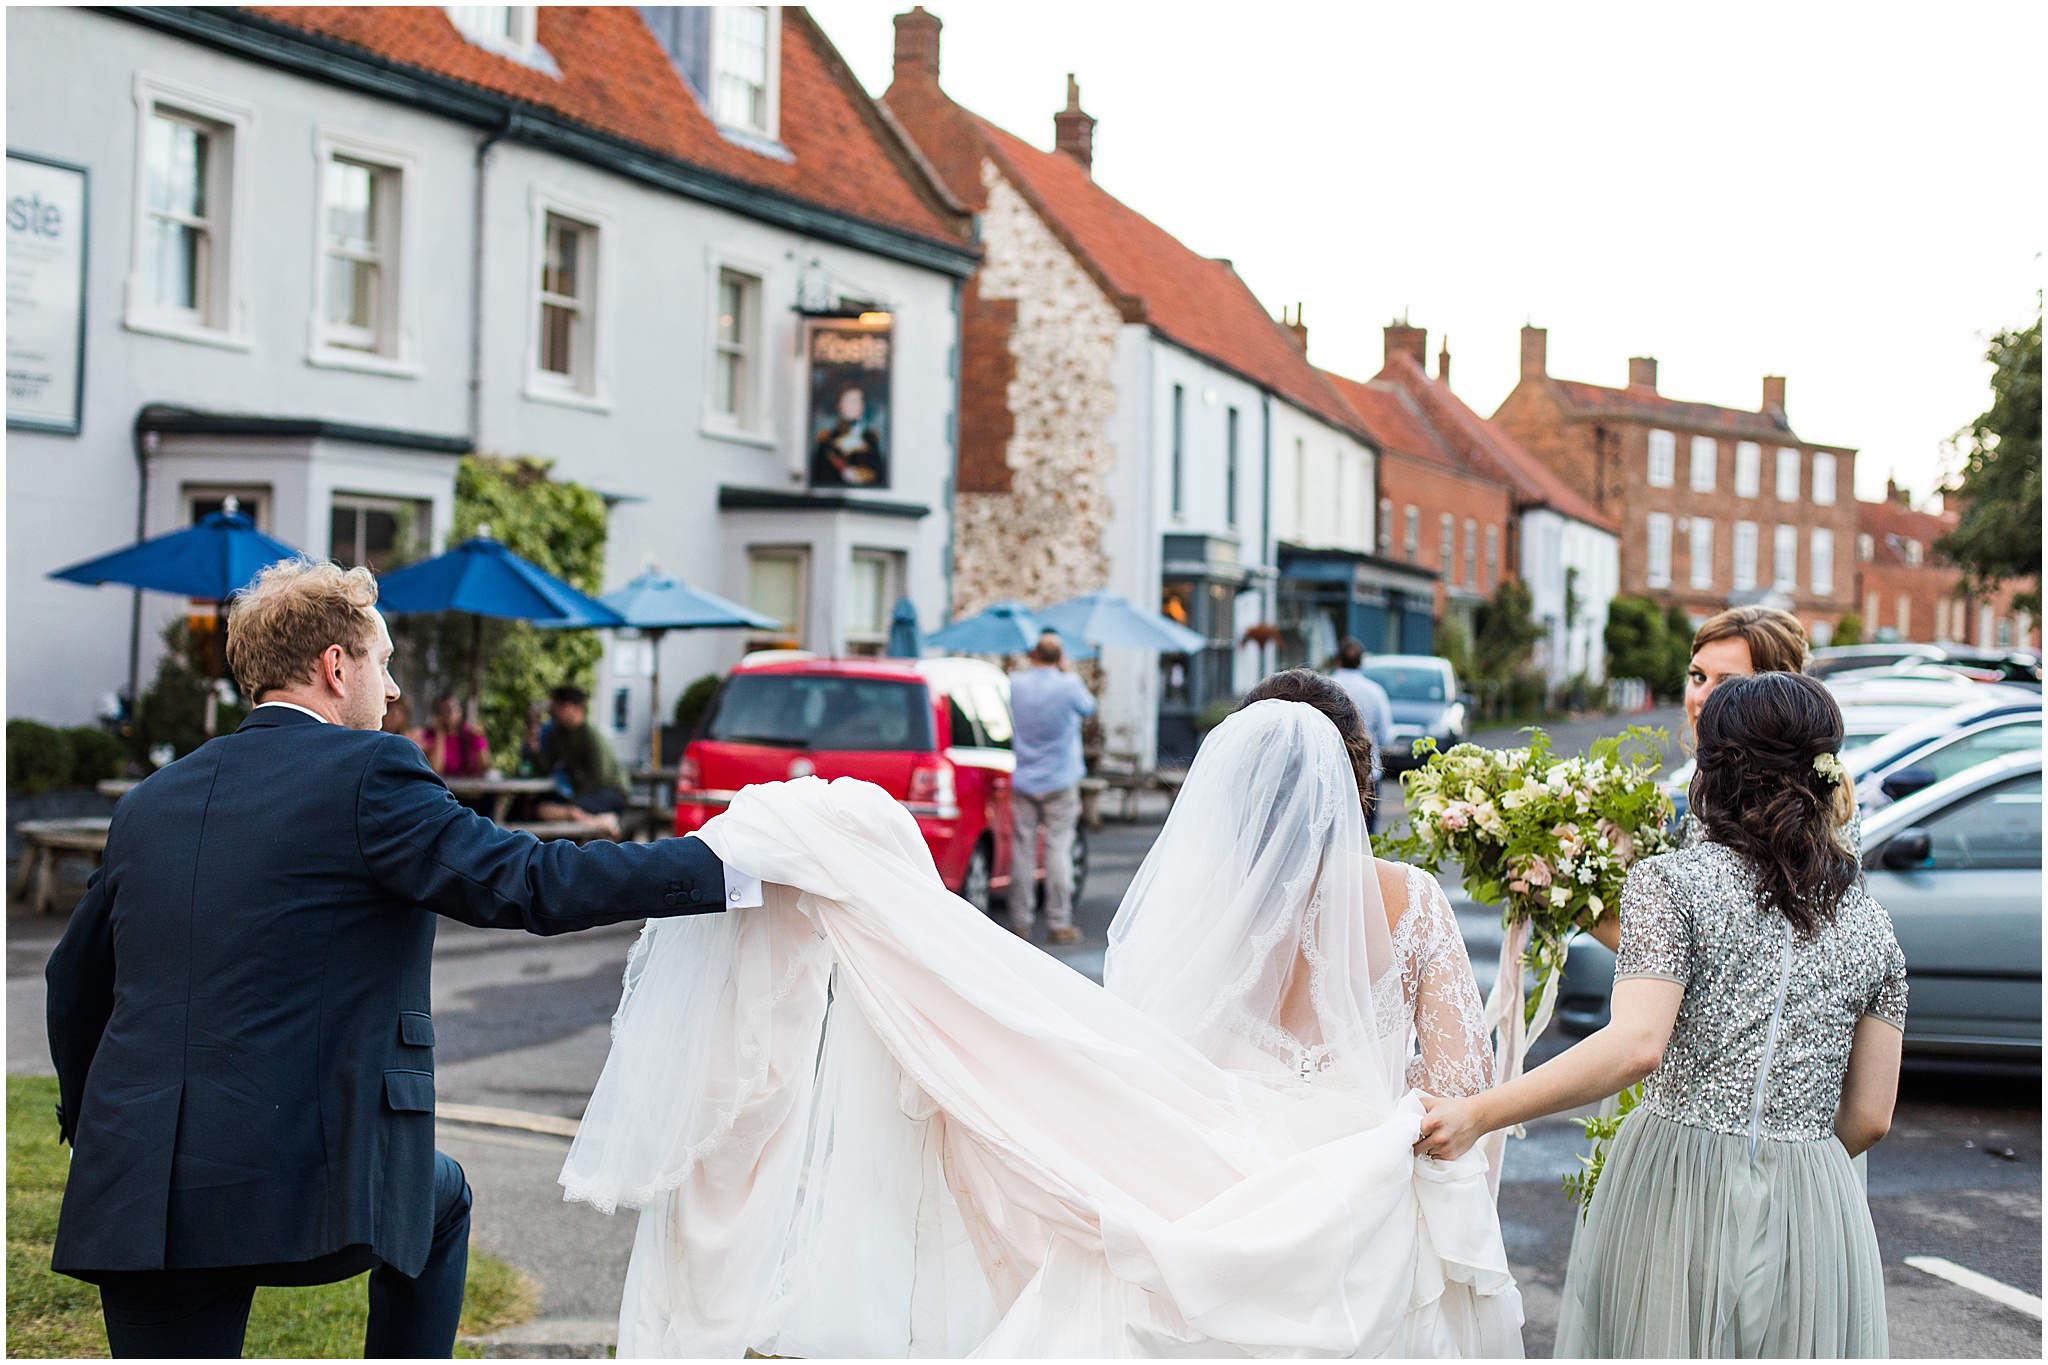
(689,776)
(931,784)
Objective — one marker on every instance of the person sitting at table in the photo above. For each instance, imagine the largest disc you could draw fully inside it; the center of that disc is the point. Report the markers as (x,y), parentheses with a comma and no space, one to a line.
(398,721)
(591,783)
(454,747)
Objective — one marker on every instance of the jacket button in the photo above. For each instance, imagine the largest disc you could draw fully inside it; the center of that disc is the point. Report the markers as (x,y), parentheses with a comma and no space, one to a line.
(695,895)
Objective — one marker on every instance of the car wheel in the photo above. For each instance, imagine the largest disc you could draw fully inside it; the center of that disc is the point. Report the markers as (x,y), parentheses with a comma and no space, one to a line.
(975,887)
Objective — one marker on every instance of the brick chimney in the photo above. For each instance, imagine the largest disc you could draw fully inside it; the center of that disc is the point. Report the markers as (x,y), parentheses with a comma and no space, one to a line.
(1774,396)
(1895,494)
(1443,362)
(917,48)
(1535,352)
(1409,341)
(1295,328)
(1642,372)
(1073,131)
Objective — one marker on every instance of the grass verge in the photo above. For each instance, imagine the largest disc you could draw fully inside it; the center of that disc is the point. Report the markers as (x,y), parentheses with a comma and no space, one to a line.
(52,1315)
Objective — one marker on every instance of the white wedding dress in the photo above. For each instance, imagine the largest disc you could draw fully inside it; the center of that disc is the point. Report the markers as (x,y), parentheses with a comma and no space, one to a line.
(866,1120)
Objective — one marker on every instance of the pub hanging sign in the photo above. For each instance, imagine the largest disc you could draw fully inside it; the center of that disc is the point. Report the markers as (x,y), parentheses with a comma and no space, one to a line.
(848,429)
(46,227)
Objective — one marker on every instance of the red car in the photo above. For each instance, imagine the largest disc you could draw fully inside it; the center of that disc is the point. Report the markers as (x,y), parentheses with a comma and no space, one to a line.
(934,734)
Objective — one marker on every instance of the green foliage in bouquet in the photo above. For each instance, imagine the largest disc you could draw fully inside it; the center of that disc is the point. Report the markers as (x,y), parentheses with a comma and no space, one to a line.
(1602,1129)
(1550,840)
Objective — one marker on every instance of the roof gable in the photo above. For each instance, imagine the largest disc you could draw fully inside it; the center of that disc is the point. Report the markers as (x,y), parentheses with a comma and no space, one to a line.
(1197,303)
(615,78)
(1584,401)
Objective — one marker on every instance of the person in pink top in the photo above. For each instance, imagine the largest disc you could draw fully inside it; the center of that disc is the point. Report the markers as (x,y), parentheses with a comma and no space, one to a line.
(454,747)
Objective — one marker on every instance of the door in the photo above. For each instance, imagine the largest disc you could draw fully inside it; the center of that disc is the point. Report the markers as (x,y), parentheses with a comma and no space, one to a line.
(1970,921)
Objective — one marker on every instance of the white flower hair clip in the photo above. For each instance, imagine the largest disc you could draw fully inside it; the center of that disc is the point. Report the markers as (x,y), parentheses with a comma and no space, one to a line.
(1830,767)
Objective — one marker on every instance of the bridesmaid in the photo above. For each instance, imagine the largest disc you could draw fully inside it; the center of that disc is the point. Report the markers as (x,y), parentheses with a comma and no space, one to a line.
(1760,990)
(1736,643)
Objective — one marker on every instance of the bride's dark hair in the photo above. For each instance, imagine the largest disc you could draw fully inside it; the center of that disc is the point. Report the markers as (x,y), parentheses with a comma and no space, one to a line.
(1313,689)
(1757,790)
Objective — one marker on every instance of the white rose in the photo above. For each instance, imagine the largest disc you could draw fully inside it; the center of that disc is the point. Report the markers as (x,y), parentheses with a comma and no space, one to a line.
(1559,895)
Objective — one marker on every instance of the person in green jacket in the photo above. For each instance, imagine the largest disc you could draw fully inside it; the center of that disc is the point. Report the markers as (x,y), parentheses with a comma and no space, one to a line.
(580,759)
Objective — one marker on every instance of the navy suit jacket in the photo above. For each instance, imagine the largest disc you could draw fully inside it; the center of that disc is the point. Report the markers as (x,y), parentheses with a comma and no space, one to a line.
(239,1008)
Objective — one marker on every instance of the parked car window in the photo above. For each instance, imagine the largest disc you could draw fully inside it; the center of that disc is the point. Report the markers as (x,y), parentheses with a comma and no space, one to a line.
(1405,682)
(802,711)
(993,710)
(1982,747)
(966,734)
(1997,828)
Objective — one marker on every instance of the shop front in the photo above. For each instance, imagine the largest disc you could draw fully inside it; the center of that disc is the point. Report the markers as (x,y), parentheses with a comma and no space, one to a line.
(1326,595)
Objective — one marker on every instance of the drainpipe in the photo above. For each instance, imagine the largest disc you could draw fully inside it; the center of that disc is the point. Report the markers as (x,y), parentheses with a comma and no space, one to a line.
(476,282)
(145,447)
(1266,521)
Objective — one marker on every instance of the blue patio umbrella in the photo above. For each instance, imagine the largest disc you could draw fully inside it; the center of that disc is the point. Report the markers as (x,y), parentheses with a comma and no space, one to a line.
(483,578)
(1107,621)
(654,603)
(903,632)
(213,559)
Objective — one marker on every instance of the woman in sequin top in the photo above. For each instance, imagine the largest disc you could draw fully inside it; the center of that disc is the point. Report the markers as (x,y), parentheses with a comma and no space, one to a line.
(1737,643)
(1762,993)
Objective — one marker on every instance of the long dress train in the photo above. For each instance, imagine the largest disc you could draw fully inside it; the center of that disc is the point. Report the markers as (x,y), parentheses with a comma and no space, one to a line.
(865,1120)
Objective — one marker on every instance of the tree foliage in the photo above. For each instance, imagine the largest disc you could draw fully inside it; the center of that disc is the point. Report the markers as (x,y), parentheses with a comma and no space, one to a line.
(556,525)
(1999,535)
(1848,630)
(1506,633)
(1644,640)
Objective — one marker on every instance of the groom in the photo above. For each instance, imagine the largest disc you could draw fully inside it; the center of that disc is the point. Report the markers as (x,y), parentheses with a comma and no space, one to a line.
(239,1009)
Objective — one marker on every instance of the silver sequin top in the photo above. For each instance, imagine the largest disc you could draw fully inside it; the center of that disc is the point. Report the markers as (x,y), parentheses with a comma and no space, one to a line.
(1693,917)
(1692,830)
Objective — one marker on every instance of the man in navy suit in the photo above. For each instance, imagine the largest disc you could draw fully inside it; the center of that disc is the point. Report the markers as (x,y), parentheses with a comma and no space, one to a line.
(239,1009)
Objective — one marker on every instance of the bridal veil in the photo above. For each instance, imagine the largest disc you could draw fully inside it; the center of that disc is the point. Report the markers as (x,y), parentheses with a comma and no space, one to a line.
(865,1120)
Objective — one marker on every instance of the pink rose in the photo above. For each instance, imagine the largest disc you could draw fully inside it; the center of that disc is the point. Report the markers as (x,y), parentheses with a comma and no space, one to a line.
(1537,872)
(1620,840)
(1457,816)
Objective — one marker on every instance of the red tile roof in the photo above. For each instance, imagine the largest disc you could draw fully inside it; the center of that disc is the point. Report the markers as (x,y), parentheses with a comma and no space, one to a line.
(1888,524)
(1433,423)
(1196,302)
(1592,400)
(616,78)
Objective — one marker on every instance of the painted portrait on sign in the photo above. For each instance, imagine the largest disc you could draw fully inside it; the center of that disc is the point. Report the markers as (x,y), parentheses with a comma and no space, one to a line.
(849,408)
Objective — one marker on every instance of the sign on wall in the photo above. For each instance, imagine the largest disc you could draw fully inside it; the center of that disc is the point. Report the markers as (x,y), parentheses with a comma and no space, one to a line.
(46,229)
(848,424)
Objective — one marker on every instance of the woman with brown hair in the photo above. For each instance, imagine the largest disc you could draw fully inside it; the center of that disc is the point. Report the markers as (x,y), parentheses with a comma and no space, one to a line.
(1760,995)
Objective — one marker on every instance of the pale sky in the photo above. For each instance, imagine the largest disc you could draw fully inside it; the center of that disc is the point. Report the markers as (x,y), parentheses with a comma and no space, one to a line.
(1848,195)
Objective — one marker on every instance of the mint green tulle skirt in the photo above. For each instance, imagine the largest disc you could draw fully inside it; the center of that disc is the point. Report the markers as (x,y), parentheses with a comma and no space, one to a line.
(1691,1248)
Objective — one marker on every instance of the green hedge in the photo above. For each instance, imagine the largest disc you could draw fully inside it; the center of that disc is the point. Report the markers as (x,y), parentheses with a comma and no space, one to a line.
(42,757)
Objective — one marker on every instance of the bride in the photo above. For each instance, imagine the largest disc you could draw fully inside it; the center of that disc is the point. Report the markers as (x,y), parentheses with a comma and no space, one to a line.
(865,1120)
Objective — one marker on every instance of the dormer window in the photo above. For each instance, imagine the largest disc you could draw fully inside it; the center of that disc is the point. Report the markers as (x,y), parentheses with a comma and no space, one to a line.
(508,30)
(745,58)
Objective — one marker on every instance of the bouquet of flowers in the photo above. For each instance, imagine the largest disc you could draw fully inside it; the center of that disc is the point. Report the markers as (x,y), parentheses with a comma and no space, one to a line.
(1550,840)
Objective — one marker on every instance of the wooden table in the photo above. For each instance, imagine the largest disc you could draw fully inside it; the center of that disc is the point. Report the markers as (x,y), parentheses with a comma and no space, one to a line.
(562,829)
(45,841)
(118,787)
(496,789)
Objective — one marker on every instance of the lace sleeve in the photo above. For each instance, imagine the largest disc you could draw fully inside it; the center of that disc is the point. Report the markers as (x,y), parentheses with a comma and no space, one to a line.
(1454,1057)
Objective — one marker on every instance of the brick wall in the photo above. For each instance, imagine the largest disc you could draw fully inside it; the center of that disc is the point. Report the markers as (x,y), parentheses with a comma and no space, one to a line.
(1433,489)
(987,369)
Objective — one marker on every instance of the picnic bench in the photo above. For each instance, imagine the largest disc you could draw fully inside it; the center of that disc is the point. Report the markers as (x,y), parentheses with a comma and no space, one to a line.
(43,842)
(1121,774)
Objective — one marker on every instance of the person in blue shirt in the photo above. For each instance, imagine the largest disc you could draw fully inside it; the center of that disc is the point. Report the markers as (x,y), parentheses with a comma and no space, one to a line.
(1373,708)
(1047,705)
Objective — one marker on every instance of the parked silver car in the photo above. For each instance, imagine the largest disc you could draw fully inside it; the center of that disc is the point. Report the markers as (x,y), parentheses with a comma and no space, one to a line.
(1958,866)
(1422,692)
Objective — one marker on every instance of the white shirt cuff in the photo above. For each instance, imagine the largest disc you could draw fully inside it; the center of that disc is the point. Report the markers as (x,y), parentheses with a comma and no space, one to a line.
(741,891)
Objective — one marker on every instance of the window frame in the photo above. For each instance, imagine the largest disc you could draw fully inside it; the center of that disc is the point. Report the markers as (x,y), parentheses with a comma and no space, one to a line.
(771,94)
(1447,546)
(1820,566)
(1743,543)
(1784,564)
(1704,454)
(590,389)
(1177,430)
(1653,576)
(1231,425)
(522,47)
(799,630)
(1749,469)
(1825,460)
(872,643)
(1471,553)
(1662,467)
(396,166)
(223,322)
(759,427)
(1411,538)
(1385,530)
(420,510)
(1699,530)
(1492,557)
(1779,470)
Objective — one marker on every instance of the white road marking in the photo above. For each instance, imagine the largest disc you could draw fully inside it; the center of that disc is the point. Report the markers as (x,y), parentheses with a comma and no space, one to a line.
(494,1117)
(1977,1284)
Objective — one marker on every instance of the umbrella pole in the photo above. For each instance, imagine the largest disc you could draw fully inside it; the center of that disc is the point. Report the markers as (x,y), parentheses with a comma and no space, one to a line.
(654,705)
(476,670)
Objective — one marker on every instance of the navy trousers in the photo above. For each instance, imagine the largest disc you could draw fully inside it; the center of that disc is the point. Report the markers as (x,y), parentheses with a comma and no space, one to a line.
(205,1313)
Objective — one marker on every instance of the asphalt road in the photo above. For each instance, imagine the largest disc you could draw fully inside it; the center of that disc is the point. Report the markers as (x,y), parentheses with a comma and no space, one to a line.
(524,1024)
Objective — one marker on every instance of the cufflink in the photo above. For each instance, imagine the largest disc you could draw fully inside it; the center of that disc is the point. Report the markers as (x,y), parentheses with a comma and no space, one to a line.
(733,896)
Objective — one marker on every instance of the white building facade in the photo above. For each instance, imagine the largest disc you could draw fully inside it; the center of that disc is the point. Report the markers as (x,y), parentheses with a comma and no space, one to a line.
(322,266)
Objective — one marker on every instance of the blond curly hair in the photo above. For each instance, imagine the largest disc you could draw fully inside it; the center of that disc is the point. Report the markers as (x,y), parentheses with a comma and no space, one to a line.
(280,625)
